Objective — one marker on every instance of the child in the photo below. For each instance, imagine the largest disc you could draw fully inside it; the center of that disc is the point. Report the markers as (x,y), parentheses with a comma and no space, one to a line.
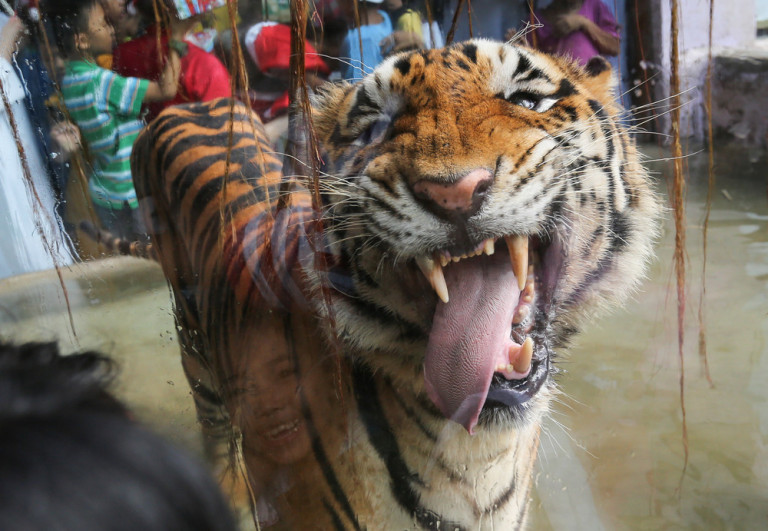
(203,77)
(126,23)
(374,27)
(106,107)
(408,34)
(580,29)
(269,45)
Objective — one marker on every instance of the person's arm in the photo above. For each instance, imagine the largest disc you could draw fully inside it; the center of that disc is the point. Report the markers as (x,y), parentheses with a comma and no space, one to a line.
(165,88)
(66,137)
(10,36)
(606,43)
(399,41)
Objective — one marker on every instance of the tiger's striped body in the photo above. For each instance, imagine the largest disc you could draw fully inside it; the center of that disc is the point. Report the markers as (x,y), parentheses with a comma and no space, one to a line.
(428,159)
(213,240)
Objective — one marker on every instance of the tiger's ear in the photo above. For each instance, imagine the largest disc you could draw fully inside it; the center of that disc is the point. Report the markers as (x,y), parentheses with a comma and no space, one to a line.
(599,77)
(327,105)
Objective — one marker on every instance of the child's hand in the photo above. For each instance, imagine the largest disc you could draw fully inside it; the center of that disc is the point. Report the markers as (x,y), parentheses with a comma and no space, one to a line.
(67,136)
(400,41)
(568,23)
(166,87)
(10,36)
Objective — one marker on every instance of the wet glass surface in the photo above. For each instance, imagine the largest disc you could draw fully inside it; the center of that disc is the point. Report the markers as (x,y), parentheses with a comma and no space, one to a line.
(611,455)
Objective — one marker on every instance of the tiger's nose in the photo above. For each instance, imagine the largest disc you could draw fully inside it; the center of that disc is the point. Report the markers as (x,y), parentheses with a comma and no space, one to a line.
(463,197)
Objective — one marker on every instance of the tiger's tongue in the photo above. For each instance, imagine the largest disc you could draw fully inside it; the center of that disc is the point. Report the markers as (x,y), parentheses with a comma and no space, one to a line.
(470,335)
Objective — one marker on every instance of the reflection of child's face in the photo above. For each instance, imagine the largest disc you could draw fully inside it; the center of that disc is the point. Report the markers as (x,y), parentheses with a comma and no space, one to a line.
(277,420)
(268,396)
(101,34)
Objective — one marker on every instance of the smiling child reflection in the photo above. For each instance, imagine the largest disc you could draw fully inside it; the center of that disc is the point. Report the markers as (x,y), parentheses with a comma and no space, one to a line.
(282,392)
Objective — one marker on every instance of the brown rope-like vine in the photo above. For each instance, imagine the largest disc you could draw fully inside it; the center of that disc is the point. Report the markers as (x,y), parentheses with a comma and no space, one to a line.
(300,108)
(708,207)
(532,20)
(241,76)
(430,20)
(359,33)
(678,202)
(454,23)
(469,18)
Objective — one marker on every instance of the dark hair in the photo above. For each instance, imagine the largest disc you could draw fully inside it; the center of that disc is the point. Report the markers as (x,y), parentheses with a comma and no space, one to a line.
(73,459)
(66,18)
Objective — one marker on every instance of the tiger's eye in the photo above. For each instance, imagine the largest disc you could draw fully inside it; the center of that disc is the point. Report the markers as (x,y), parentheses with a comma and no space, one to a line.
(528,104)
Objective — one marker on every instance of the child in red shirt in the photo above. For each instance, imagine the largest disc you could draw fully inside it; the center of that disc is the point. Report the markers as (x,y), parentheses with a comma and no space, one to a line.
(269,45)
(203,77)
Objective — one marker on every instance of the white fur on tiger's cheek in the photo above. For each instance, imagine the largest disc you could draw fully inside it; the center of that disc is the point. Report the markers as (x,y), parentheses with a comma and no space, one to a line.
(545,104)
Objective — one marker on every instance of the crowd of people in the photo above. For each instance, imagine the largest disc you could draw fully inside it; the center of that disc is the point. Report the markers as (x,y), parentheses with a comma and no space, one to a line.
(82,77)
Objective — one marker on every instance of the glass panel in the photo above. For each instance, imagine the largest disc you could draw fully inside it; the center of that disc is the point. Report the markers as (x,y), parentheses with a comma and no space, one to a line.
(353,266)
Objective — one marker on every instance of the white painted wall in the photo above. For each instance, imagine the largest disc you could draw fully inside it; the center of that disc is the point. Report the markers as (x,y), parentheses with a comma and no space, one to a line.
(734,23)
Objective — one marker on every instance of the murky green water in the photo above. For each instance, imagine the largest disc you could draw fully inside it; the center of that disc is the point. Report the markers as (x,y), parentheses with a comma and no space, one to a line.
(612,455)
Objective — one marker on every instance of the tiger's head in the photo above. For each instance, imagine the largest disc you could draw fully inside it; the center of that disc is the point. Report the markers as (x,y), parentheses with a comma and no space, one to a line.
(481,200)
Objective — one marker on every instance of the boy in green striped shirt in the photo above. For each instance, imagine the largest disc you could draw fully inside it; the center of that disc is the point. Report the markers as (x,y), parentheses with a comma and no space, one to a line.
(106,107)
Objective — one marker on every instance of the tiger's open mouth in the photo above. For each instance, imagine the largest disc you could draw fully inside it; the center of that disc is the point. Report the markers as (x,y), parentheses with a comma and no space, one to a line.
(482,352)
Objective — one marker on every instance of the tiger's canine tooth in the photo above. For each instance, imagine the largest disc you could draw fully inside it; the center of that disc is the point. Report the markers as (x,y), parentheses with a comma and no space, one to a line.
(488,247)
(434,273)
(523,361)
(518,254)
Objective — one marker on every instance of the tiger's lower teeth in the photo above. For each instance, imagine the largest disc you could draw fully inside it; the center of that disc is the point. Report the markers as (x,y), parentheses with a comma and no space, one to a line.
(519,365)
(523,362)
(522,313)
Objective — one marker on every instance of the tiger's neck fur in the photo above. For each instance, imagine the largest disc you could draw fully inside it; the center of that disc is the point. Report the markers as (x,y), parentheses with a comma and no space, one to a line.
(402,466)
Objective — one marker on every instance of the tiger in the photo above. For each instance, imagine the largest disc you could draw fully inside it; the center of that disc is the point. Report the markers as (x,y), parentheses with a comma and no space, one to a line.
(475,205)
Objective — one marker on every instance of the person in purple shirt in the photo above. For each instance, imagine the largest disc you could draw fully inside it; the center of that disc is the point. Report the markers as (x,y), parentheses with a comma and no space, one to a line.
(580,29)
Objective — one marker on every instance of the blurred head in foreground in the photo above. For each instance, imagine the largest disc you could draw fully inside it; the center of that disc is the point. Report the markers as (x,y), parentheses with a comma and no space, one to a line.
(73,459)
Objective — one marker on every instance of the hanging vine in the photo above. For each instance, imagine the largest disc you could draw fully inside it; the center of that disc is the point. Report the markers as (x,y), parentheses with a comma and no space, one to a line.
(708,205)
(678,203)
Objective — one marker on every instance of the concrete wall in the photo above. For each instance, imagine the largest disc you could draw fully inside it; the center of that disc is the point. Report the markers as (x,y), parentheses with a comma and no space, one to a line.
(733,36)
(740,95)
